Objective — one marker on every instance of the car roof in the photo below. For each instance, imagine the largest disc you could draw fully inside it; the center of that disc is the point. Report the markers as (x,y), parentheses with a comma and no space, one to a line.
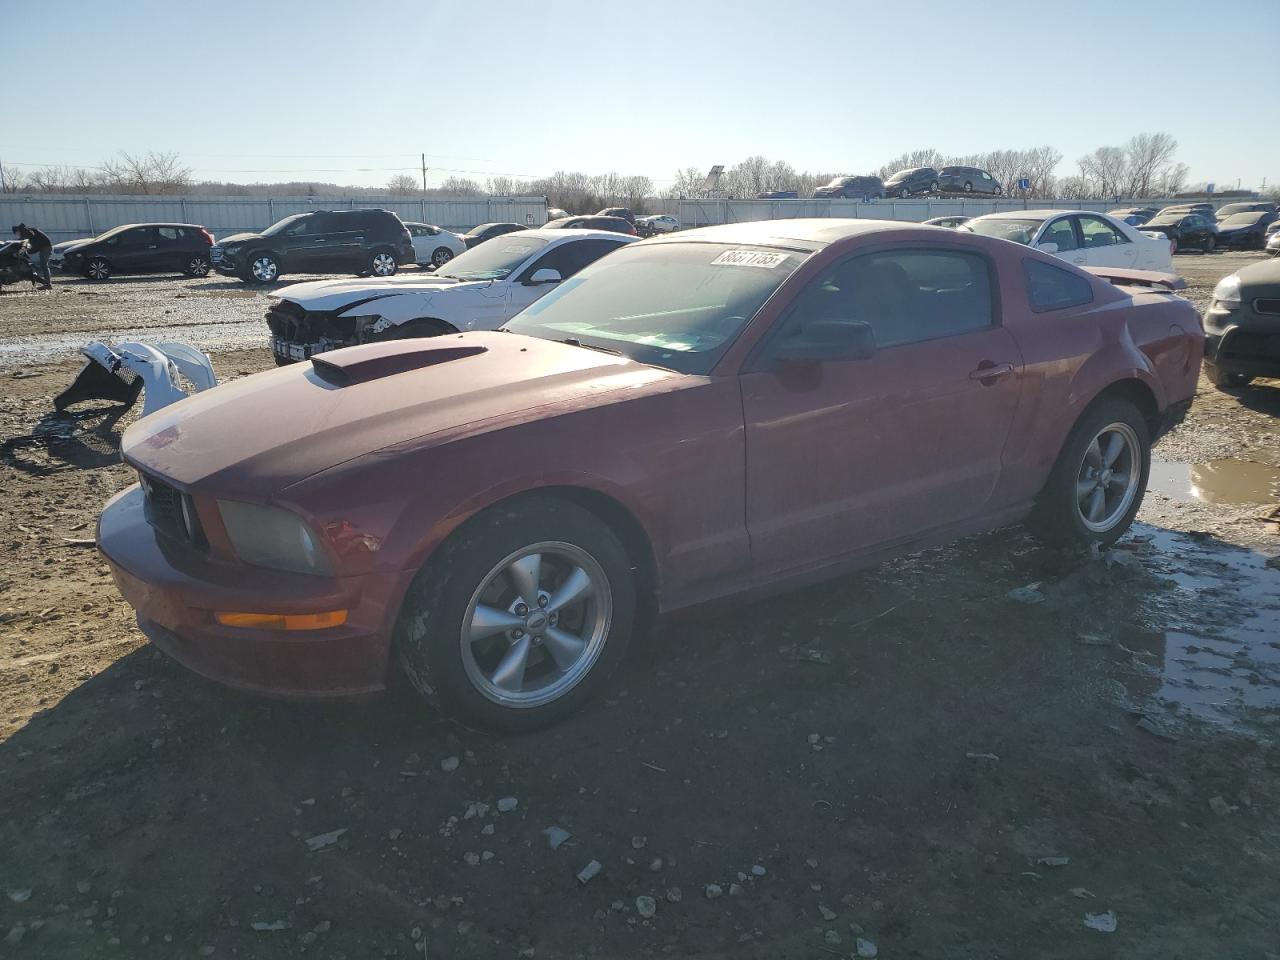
(576,233)
(193,226)
(816,231)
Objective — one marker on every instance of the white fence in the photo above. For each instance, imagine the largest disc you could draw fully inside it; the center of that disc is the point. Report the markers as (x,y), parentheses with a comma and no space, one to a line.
(68,218)
(699,213)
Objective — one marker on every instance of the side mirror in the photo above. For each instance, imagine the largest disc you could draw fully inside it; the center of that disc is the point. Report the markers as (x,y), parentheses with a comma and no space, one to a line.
(1047,247)
(831,340)
(543,275)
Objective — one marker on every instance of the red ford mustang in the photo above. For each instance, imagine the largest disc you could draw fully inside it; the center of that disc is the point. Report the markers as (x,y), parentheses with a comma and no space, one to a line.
(719,412)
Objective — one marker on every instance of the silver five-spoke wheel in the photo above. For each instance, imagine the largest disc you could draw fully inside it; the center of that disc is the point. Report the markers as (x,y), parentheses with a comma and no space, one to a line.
(1109,477)
(536,624)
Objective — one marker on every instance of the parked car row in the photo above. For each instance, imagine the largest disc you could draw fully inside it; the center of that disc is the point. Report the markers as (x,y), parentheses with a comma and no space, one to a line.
(493,512)
(912,182)
(1245,225)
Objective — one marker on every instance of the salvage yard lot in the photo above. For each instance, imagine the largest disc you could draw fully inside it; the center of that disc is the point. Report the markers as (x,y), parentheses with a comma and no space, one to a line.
(898,749)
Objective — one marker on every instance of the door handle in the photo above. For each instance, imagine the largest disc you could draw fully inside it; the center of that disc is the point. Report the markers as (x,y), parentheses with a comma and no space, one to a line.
(320,240)
(987,372)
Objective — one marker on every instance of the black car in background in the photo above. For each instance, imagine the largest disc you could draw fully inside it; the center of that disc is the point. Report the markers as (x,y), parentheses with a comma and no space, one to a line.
(140,248)
(1133,216)
(1248,206)
(592,222)
(621,212)
(912,183)
(1186,230)
(487,231)
(1246,231)
(1204,209)
(968,180)
(851,188)
(368,241)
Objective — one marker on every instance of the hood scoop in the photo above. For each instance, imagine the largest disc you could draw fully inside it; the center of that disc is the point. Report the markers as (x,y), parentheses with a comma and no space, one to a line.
(373,361)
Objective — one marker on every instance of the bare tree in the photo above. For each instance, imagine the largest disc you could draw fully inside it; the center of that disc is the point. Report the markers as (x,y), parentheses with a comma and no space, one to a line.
(1147,155)
(1103,171)
(402,185)
(1173,180)
(458,187)
(923,157)
(153,173)
(502,187)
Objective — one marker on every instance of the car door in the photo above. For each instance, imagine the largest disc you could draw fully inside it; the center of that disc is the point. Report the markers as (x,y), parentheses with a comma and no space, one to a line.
(1103,244)
(843,455)
(341,245)
(301,245)
(567,258)
(165,255)
(1062,231)
(129,251)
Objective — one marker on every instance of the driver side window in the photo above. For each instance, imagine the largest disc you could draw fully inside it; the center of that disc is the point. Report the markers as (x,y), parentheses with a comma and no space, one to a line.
(1062,233)
(906,296)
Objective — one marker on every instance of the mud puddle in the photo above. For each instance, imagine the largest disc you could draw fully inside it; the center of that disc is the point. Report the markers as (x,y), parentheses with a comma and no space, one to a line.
(1218,658)
(1217,481)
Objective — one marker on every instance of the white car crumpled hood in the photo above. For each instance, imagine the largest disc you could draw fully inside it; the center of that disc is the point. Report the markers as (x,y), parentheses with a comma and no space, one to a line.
(335,294)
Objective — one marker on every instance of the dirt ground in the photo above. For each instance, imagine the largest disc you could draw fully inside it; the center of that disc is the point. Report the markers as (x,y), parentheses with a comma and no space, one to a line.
(908,761)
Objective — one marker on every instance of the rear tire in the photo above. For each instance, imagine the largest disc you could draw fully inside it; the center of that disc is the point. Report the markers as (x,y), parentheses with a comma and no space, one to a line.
(1209,244)
(903,193)
(968,187)
(467,647)
(441,256)
(1224,380)
(197,266)
(1062,512)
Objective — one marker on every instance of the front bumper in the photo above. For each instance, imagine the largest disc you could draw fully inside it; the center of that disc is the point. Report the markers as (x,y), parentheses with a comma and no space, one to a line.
(1245,339)
(175,590)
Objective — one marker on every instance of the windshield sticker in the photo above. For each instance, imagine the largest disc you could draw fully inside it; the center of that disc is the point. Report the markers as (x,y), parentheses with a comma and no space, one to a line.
(519,247)
(749,258)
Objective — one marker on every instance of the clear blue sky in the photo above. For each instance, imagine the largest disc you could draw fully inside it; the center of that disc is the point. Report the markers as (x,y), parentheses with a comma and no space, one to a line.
(285,89)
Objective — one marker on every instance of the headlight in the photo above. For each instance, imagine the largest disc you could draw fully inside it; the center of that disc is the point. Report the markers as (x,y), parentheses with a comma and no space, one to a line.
(272,537)
(1227,292)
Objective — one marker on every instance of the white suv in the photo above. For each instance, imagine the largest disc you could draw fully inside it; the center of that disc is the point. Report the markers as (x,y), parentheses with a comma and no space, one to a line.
(478,290)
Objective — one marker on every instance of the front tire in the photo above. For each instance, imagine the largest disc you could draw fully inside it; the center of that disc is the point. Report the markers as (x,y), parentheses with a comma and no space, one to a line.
(521,616)
(1209,244)
(1224,380)
(441,256)
(1098,482)
(904,193)
(382,263)
(263,268)
(968,187)
(98,269)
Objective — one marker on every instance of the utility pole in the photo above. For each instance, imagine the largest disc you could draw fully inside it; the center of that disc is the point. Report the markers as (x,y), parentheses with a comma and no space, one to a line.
(424,174)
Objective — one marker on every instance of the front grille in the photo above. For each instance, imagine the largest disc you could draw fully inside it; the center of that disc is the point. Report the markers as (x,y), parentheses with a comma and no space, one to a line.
(289,321)
(164,508)
(1267,305)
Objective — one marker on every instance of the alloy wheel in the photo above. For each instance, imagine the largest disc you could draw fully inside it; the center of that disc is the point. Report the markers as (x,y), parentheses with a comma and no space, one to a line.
(441,257)
(384,264)
(1108,478)
(536,624)
(198,267)
(264,269)
(99,269)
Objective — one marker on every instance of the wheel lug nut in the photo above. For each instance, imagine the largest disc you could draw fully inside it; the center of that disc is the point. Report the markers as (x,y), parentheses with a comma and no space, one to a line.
(518,634)
(521,610)
(542,601)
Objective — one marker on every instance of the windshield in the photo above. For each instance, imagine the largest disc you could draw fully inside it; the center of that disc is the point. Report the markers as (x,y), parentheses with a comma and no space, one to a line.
(1242,219)
(673,305)
(1019,231)
(112,232)
(281,225)
(494,260)
(1165,220)
(1234,208)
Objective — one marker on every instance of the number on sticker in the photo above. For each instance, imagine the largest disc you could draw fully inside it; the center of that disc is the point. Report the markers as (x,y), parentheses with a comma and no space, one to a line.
(749,258)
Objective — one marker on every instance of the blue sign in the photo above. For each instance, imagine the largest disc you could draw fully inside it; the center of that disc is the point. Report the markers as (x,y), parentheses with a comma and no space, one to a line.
(1024,184)
(1208,188)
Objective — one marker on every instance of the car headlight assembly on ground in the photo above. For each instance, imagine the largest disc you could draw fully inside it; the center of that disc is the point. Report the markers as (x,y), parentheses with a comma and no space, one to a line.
(272,537)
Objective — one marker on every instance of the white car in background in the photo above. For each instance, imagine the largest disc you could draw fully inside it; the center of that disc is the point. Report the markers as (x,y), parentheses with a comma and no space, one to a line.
(657,223)
(480,289)
(1082,237)
(434,246)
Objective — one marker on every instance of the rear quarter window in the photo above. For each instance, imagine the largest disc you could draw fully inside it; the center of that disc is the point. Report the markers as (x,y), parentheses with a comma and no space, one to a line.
(1052,288)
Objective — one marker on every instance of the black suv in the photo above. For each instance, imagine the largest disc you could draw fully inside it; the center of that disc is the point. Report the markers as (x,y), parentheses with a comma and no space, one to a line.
(326,241)
(140,248)
(912,182)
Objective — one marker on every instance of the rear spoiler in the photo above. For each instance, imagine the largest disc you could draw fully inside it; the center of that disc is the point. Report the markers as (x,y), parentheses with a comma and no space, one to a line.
(1138,278)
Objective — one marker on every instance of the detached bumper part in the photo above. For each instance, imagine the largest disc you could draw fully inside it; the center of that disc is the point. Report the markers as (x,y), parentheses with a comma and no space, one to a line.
(121,372)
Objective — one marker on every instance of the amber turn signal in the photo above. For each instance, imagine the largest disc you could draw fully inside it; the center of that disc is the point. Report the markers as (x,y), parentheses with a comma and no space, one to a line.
(282,621)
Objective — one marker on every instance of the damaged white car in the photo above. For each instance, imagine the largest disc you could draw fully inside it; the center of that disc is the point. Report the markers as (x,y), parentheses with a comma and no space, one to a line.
(478,290)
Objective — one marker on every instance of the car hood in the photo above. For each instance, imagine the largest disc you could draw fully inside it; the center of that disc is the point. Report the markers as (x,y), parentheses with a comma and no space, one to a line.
(302,423)
(239,238)
(336,294)
(66,246)
(1260,279)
